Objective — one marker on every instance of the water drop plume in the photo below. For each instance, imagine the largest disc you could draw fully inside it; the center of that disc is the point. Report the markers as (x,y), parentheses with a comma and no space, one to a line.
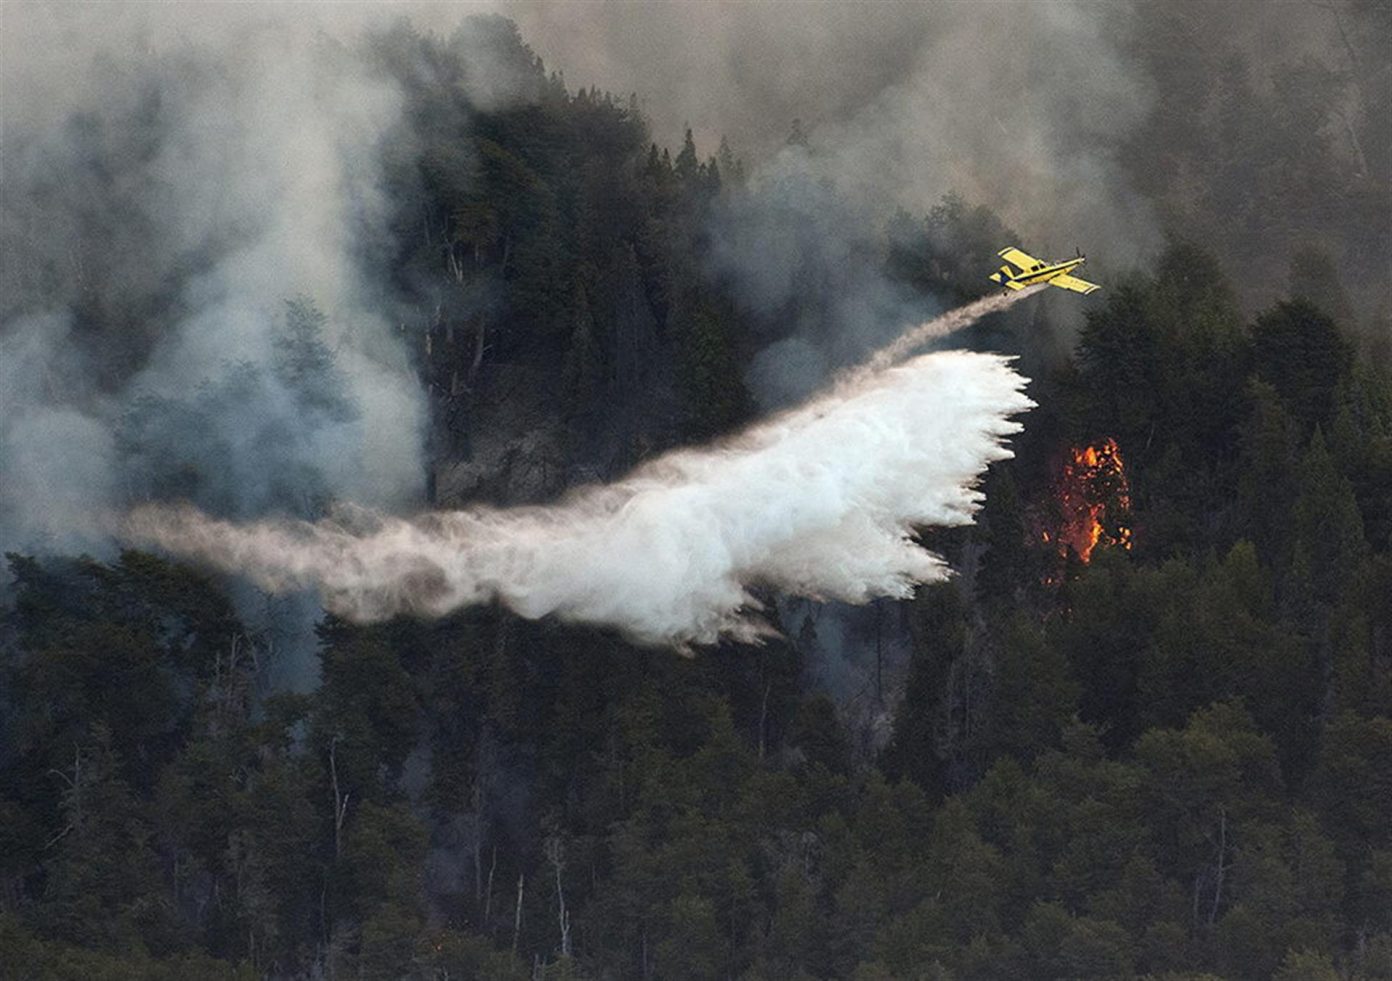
(818,501)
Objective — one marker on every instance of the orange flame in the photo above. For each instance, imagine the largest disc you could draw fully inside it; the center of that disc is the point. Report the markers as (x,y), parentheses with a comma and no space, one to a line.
(1094,501)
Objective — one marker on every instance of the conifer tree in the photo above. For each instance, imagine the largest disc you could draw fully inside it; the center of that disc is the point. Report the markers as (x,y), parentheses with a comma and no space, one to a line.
(687,166)
(1298,351)
(1326,524)
(582,376)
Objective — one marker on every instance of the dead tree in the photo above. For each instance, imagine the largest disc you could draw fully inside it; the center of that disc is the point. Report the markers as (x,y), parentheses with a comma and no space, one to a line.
(340,798)
(555,854)
(517,916)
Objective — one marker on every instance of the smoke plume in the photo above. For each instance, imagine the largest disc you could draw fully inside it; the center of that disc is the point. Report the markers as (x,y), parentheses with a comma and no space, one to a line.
(1019,105)
(820,501)
(165,194)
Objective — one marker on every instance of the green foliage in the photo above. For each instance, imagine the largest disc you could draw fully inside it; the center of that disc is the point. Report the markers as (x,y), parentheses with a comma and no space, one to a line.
(947,253)
(1299,351)
(1170,762)
(306,365)
(711,381)
(1354,780)
(1305,965)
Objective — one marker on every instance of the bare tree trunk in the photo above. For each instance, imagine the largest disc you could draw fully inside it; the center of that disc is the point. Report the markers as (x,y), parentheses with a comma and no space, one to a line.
(517,916)
(763,718)
(618,760)
(478,843)
(555,854)
(75,795)
(1222,867)
(479,336)
(488,895)
(879,654)
(340,799)
(323,911)
(1355,76)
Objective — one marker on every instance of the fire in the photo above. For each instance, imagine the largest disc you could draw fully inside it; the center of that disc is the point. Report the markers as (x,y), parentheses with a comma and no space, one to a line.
(1094,501)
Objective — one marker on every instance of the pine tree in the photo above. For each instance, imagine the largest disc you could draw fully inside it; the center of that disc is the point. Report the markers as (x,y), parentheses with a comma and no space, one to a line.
(1004,563)
(730,168)
(1315,278)
(1299,351)
(581,374)
(1325,521)
(1269,441)
(306,365)
(687,166)
(716,398)
(103,885)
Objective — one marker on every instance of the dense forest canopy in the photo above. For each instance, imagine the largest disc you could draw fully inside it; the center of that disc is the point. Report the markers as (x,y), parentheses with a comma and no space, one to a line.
(1146,730)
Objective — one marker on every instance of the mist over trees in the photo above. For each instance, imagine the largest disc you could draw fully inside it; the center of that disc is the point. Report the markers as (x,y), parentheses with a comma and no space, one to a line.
(1167,760)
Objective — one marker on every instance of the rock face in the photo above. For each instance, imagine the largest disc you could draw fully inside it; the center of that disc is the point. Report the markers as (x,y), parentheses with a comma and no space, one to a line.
(516,435)
(510,441)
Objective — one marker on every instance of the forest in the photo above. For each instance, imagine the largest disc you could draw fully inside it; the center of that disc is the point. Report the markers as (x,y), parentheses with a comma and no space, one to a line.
(1145,731)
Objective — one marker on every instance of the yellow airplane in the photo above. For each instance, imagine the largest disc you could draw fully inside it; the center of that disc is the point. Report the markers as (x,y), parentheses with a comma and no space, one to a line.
(1032,270)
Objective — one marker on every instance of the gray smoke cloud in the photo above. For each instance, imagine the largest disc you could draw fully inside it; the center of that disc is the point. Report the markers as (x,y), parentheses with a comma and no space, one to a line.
(1018,105)
(182,170)
(172,181)
(194,166)
(170,176)
(1025,106)
(56,459)
(820,502)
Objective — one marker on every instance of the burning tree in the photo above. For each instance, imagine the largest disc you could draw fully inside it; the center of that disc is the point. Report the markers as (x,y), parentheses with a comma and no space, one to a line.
(1092,501)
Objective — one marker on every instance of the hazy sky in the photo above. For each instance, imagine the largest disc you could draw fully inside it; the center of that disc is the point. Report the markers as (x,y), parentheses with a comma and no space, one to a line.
(1012,102)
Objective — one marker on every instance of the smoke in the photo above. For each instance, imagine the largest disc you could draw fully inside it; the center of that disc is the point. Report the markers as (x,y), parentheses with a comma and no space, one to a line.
(948,323)
(169,179)
(820,501)
(1020,105)
(55,459)
(164,194)
(1041,110)
(169,183)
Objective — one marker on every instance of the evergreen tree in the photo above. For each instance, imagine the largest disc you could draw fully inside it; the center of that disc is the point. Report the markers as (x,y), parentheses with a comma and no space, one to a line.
(730,168)
(1327,527)
(582,375)
(716,398)
(687,166)
(1299,352)
(103,886)
(305,364)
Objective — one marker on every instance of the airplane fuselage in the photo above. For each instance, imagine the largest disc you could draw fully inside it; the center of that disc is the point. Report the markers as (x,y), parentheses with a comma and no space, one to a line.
(1022,269)
(1045,272)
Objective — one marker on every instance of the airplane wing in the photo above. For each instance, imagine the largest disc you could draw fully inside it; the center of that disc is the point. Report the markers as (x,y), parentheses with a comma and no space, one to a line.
(1005,281)
(1074,283)
(1021,260)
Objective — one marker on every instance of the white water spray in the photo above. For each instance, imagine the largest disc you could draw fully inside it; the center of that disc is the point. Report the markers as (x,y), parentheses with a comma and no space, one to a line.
(820,501)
